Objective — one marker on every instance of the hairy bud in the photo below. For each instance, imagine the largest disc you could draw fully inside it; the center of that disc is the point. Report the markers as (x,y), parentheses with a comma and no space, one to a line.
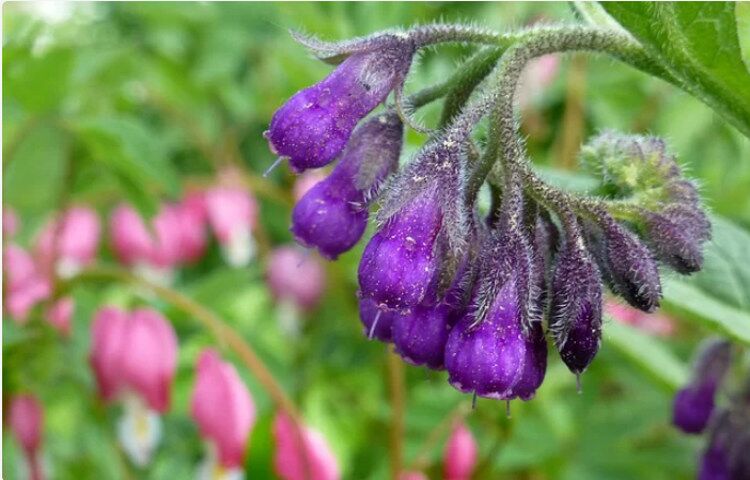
(313,126)
(575,316)
(694,404)
(677,235)
(332,215)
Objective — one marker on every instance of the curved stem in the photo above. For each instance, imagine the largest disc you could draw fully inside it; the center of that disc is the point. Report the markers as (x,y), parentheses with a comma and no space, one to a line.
(398,408)
(421,459)
(212,322)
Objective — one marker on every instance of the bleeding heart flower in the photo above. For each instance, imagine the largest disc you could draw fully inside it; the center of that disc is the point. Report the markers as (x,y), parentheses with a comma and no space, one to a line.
(25,284)
(68,244)
(225,413)
(25,419)
(302,455)
(134,356)
(460,455)
(60,314)
(233,213)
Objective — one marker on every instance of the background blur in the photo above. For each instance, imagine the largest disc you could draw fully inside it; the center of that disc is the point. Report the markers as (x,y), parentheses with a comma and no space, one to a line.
(145,99)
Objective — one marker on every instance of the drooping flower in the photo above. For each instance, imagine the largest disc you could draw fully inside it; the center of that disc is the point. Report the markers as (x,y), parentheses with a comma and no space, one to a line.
(400,262)
(538,75)
(192,216)
(460,456)
(419,335)
(26,419)
(657,324)
(296,277)
(134,357)
(377,322)
(25,284)
(60,314)
(222,407)
(302,454)
(313,126)
(486,350)
(68,244)
(576,306)
(332,216)
(233,214)
(694,404)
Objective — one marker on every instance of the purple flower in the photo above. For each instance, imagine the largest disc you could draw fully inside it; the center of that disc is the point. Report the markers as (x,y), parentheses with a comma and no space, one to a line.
(377,322)
(576,306)
(332,215)
(486,351)
(313,126)
(419,336)
(694,404)
(693,407)
(399,263)
(535,363)
(713,465)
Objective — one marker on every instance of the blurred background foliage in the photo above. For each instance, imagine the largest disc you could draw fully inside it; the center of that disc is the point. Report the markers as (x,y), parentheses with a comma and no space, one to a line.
(108,101)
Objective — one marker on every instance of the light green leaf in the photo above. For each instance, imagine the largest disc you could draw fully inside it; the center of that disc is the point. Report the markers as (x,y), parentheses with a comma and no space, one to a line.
(698,43)
(695,305)
(647,353)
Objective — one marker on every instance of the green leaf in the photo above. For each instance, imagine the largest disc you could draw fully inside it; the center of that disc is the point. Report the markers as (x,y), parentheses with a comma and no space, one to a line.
(647,353)
(134,154)
(698,42)
(694,304)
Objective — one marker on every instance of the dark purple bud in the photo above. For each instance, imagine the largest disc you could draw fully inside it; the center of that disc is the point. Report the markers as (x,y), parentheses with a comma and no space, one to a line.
(332,216)
(715,462)
(713,465)
(631,267)
(692,408)
(399,263)
(535,363)
(677,235)
(575,316)
(486,350)
(419,336)
(694,404)
(313,126)
(378,323)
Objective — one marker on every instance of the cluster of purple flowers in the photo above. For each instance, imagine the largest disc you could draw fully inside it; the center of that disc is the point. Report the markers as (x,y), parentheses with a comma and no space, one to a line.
(695,411)
(453,288)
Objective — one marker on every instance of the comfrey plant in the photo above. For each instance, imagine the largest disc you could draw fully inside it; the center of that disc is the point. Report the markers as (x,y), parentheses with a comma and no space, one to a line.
(453,287)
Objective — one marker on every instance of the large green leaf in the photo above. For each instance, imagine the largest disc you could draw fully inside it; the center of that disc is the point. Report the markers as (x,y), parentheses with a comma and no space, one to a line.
(699,44)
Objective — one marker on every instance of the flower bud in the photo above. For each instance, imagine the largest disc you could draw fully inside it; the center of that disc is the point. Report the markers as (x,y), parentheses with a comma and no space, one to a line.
(399,263)
(68,244)
(313,126)
(332,216)
(576,306)
(302,455)
(377,322)
(134,353)
(233,213)
(222,407)
(694,404)
(460,456)
(677,234)
(25,284)
(419,335)
(25,420)
(294,276)
(630,267)
(535,363)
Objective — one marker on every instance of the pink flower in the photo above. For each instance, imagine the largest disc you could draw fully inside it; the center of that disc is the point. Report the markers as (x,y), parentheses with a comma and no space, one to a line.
(67,245)
(460,455)
(131,239)
(192,216)
(295,276)
(25,419)
(10,223)
(656,324)
(60,313)
(134,352)
(306,181)
(223,408)
(25,284)
(233,213)
(293,461)
(538,75)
